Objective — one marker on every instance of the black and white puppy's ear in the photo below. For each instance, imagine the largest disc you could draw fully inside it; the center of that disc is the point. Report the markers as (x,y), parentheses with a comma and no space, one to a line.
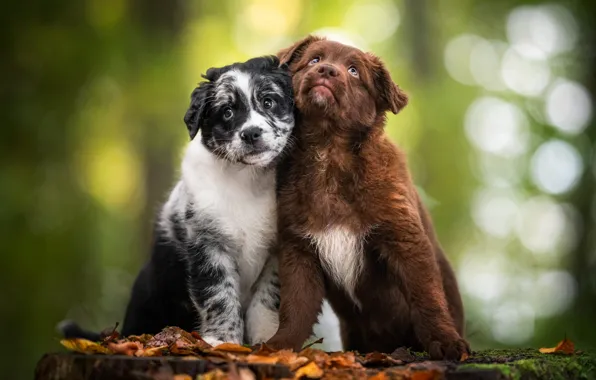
(199,99)
(196,112)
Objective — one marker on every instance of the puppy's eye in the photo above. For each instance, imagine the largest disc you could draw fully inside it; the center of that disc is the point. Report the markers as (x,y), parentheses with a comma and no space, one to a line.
(267,103)
(228,113)
(314,60)
(352,70)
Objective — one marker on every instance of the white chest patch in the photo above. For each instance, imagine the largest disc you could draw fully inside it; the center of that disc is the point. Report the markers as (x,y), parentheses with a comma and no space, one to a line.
(240,201)
(340,252)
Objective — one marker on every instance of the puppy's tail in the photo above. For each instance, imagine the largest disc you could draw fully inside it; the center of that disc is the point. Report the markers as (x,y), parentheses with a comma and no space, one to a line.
(70,330)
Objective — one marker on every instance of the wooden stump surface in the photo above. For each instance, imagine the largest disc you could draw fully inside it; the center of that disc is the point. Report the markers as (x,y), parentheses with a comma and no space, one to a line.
(487,365)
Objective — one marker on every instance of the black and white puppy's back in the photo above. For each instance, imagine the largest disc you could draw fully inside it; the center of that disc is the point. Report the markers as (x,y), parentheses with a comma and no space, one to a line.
(211,270)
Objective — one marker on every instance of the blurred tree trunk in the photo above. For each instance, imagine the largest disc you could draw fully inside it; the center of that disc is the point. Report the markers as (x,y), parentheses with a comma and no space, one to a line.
(421,33)
(583,263)
(50,51)
(160,20)
(446,179)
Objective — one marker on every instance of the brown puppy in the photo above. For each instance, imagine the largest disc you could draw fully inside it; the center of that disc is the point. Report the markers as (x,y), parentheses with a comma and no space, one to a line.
(351,224)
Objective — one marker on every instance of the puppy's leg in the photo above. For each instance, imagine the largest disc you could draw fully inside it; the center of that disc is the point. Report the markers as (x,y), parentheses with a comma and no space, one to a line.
(454,301)
(262,316)
(214,290)
(302,292)
(410,256)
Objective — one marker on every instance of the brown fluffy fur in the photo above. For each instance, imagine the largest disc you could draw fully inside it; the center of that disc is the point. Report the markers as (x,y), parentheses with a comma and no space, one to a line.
(344,171)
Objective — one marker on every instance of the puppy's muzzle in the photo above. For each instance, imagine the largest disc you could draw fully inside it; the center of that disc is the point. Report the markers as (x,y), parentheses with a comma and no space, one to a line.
(326,70)
(251,135)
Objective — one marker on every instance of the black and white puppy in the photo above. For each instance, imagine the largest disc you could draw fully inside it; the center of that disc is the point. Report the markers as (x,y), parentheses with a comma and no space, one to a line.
(211,270)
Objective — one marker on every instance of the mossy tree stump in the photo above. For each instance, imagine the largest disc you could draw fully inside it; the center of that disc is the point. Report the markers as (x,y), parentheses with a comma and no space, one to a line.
(484,365)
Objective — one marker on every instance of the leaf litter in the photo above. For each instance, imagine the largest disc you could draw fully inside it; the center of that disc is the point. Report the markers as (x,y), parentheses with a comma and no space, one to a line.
(309,363)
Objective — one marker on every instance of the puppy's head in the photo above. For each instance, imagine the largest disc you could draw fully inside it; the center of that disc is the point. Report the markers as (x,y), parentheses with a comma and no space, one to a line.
(340,82)
(244,111)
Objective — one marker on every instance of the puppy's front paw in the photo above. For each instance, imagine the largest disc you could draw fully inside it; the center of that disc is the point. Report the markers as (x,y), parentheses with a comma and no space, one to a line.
(454,348)
(282,343)
(212,340)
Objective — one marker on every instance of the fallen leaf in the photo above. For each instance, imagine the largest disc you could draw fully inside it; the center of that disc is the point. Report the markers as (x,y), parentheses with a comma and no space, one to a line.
(169,335)
(125,348)
(181,349)
(182,377)
(151,351)
(85,346)
(464,357)
(565,346)
(291,359)
(311,370)
(232,347)
(377,359)
(140,338)
(263,349)
(262,359)
(342,360)
(200,341)
(318,356)
(403,354)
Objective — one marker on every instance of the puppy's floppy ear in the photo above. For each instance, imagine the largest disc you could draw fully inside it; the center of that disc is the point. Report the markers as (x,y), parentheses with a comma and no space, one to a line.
(198,104)
(392,97)
(289,55)
(198,100)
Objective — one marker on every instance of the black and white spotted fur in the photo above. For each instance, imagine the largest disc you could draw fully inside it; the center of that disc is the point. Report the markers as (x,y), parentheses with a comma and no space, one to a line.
(211,263)
(211,270)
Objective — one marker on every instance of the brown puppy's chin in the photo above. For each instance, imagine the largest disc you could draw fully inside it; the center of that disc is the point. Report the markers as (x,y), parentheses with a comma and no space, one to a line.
(318,100)
(322,96)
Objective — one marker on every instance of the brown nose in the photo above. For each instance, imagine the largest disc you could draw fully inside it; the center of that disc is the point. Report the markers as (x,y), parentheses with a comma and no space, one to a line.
(327,70)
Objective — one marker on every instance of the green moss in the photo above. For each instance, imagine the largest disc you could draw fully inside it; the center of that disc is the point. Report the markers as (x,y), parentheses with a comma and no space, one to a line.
(531,364)
(505,369)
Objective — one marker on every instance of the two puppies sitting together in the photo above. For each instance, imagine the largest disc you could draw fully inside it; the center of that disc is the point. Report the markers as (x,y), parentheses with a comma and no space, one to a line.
(291,192)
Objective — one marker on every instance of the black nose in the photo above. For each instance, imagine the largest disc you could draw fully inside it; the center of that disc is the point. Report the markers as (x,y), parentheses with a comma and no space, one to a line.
(251,134)
(327,70)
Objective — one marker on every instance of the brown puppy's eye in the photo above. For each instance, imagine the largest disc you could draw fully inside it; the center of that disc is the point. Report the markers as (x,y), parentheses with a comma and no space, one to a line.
(228,113)
(352,70)
(314,60)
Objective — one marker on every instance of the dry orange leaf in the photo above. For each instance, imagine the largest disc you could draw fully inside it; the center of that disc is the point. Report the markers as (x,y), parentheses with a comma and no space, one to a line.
(291,359)
(182,377)
(311,370)
(232,347)
(264,350)
(342,360)
(565,346)
(261,359)
(464,356)
(85,346)
(125,348)
(152,351)
(318,356)
(427,375)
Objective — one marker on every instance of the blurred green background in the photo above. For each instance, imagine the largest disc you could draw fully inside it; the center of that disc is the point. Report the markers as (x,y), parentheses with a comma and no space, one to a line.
(500,134)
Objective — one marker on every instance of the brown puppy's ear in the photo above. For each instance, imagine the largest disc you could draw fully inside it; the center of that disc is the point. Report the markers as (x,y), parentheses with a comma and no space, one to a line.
(392,97)
(289,55)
